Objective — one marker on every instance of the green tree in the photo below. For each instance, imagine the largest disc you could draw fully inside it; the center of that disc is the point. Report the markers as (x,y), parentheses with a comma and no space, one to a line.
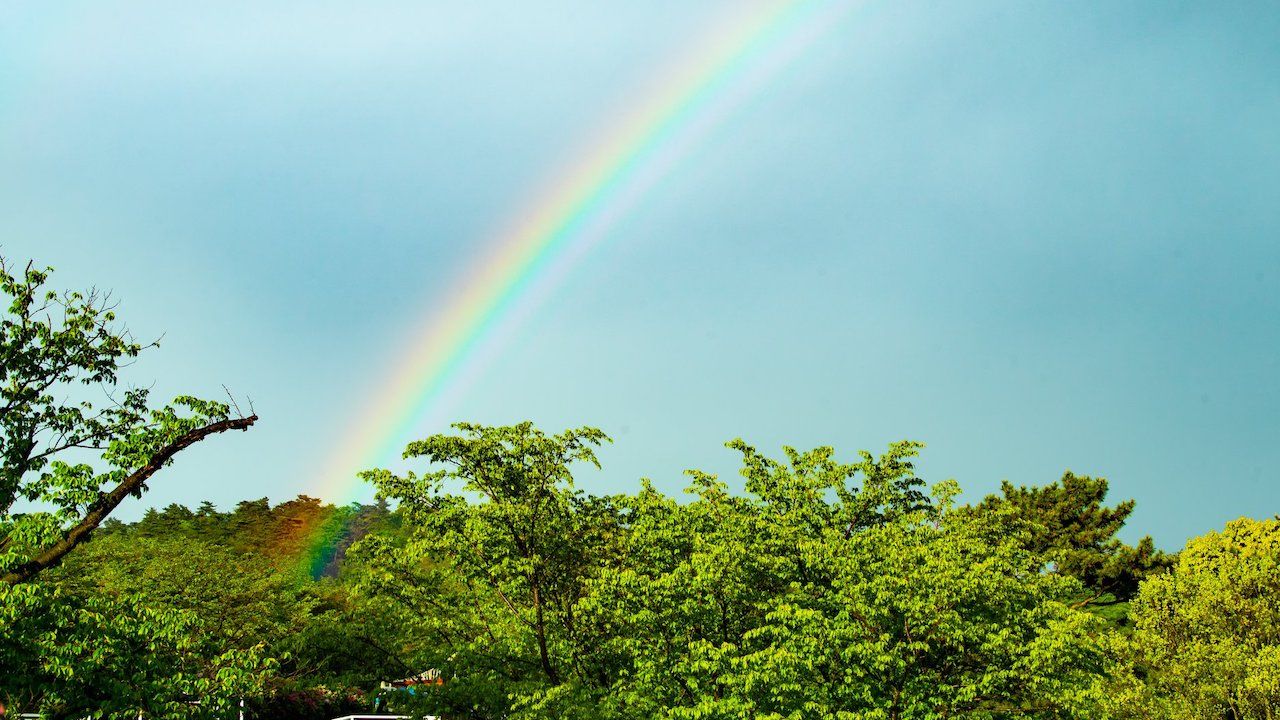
(236,600)
(248,591)
(1206,640)
(494,582)
(65,464)
(1071,528)
(73,657)
(56,347)
(174,520)
(828,589)
(836,590)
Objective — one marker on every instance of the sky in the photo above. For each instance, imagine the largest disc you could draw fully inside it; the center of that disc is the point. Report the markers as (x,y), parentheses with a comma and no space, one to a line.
(1036,236)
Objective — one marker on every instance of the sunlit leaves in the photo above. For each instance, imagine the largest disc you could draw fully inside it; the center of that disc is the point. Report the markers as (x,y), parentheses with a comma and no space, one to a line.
(1207,634)
(828,589)
(69,438)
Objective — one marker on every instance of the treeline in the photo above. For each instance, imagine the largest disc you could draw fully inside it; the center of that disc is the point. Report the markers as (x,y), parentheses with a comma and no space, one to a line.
(819,587)
(824,588)
(260,581)
(302,533)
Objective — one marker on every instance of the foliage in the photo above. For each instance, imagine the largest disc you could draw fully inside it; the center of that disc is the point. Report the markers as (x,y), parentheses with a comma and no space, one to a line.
(494,584)
(230,587)
(246,576)
(836,590)
(1206,642)
(93,657)
(827,590)
(65,464)
(300,535)
(240,600)
(1069,527)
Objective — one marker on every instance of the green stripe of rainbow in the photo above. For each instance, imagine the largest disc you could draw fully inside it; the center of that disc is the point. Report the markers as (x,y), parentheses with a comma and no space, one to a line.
(543,242)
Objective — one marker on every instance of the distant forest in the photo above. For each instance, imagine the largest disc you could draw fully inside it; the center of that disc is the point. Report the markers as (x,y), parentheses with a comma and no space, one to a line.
(302,532)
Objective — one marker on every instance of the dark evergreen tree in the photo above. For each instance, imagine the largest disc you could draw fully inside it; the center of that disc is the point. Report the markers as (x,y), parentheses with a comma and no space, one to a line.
(1076,533)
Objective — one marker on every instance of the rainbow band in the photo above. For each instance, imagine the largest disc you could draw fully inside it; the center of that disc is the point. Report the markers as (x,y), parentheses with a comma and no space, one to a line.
(527,261)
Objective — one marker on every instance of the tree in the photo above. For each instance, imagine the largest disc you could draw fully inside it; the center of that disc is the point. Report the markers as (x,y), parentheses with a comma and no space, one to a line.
(1071,528)
(496,581)
(235,600)
(245,591)
(835,590)
(828,589)
(56,347)
(166,616)
(115,657)
(67,460)
(1206,640)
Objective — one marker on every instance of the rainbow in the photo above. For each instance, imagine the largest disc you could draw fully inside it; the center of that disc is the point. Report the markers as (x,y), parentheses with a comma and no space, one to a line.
(545,240)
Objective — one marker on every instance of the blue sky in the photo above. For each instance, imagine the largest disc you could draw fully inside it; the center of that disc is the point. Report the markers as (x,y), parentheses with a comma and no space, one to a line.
(1033,235)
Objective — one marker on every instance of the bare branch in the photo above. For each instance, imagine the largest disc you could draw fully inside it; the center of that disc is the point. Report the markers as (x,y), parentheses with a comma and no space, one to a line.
(232,399)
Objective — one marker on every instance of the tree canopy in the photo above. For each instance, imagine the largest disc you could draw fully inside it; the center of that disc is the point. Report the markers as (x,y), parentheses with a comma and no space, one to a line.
(67,460)
(828,590)
(1206,640)
(1069,526)
(492,585)
(71,461)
